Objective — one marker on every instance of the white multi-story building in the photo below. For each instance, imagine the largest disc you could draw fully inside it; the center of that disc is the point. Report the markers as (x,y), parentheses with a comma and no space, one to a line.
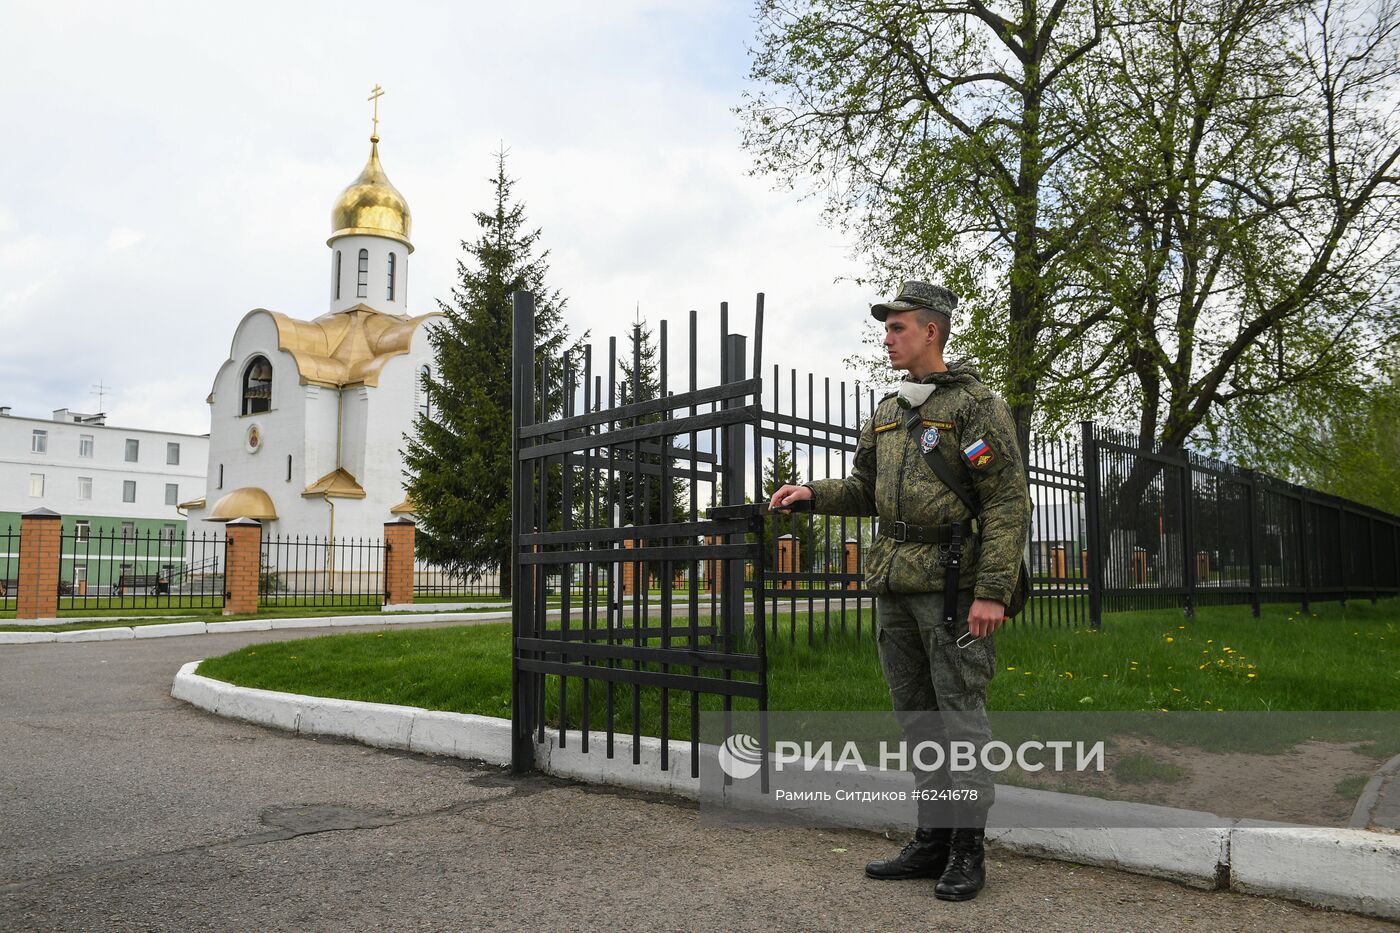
(98,477)
(307,418)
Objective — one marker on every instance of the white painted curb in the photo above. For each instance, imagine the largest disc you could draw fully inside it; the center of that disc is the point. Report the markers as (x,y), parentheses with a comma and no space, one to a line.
(243,625)
(1349,869)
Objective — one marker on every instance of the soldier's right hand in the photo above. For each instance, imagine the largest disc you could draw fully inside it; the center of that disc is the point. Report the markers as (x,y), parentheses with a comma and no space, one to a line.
(784,498)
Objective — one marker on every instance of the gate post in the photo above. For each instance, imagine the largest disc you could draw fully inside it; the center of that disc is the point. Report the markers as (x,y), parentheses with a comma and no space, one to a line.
(40,544)
(1093,541)
(242,565)
(399,543)
(523,686)
(852,563)
(732,474)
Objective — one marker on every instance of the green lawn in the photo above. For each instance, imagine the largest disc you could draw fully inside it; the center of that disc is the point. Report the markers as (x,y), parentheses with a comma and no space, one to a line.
(1339,658)
(119,618)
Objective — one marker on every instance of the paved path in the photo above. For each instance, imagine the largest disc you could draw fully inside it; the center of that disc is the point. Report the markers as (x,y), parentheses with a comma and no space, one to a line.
(122,809)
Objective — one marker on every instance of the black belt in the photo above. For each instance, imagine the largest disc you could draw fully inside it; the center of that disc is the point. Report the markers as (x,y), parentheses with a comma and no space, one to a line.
(921,534)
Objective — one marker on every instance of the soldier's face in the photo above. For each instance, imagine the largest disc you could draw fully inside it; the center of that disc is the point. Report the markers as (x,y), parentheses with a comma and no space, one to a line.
(908,342)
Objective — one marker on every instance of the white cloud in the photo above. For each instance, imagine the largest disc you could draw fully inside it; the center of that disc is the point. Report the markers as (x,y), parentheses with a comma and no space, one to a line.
(211,148)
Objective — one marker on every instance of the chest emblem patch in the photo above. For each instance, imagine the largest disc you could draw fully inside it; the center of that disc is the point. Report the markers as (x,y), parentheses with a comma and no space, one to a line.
(979,455)
(929,439)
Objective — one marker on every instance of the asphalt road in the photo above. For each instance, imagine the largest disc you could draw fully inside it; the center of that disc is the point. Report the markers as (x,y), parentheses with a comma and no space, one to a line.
(123,809)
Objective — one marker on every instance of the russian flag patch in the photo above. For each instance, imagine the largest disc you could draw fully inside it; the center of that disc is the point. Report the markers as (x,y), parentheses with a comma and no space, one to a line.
(979,455)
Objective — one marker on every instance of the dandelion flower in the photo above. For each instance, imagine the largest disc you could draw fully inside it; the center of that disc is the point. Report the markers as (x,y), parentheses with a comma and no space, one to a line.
(1170,639)
(1251,675)
(1011,668)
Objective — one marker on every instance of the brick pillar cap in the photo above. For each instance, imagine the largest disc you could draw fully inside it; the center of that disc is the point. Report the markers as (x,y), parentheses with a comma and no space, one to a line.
(244,522)
(852,541)
(781,537)
(403,520)
(41,513)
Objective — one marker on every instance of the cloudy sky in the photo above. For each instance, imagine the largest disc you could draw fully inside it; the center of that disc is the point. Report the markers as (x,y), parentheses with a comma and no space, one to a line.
(169,166)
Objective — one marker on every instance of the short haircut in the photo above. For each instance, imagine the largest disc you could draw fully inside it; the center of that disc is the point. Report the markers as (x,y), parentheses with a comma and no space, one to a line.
(928,316)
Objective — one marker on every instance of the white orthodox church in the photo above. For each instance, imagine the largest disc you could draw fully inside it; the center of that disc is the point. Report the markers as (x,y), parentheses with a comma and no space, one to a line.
(307,418)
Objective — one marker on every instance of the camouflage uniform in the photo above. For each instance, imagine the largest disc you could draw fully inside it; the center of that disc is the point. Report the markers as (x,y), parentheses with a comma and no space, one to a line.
(923,665)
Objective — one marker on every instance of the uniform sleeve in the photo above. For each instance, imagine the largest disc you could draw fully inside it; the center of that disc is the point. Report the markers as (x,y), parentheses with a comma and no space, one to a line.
(993,459)
(855,494)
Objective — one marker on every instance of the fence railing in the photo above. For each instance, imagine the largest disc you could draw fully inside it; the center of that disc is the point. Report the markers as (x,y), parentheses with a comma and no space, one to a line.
(310,571)
(9,567)
(434,582)
(107,568)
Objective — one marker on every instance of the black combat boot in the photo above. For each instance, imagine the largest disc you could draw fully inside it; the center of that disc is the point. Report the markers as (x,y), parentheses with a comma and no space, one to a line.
(925,856)
(965,873)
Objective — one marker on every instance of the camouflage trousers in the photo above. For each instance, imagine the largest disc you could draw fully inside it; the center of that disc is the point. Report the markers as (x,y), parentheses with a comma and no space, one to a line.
(939,693)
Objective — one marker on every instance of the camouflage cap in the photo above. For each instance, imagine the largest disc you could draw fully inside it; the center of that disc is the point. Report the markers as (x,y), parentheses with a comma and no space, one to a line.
(914,295)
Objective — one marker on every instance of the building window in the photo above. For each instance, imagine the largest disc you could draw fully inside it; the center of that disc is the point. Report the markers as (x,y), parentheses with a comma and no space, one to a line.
(84,445)
(391,277)
(39,442)
(172,493)
(128,490)
(172,454)
(362,285)
(79,574)
(36,485)
(81,530)
(133,450)
(167,534)
(84,487)
(128,534)
(425,405)
(257,386)
(221,476)
(337,275)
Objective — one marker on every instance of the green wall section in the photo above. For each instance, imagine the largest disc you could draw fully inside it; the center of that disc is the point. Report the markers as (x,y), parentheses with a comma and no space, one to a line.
(105,555)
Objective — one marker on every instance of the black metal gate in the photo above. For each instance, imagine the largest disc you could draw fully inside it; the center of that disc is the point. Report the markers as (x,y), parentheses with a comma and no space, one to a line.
(634,551)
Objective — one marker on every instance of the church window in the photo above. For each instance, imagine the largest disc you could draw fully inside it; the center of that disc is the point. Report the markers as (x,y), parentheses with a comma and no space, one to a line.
(337,275)
(289,468)
(391,277)
(425,404)
(257,386)
(221,476)
(362,285)
(39,442)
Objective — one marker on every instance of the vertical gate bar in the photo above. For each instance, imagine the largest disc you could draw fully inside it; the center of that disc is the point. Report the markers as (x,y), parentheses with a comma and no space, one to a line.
(588,489)
(667,567)
(1253,516)
(566,523)
(1090,455)
(826,522)
(614,520)
(639,515)
(694,593)
(1188,535)
(523,411)
(772,521)
(791,518)
(841,398)
(1341,552)
(539,575)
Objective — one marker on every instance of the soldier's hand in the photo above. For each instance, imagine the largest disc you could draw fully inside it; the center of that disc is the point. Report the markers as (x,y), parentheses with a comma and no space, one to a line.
(985,616)
(784,498)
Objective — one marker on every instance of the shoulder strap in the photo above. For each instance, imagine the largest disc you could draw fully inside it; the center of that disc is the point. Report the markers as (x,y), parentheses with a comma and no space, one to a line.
(940,468)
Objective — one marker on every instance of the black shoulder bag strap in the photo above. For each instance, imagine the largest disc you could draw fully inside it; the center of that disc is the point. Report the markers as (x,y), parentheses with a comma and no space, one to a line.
(952,570)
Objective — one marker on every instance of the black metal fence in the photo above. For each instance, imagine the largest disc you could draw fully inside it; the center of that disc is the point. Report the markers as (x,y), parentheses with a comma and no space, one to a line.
(299,572)
(9,567)
(620,481)
(122,568)
(431,582)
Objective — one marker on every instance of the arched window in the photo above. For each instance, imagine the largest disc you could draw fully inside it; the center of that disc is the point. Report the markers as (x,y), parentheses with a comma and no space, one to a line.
(337,275)
(391,277)
(363,284)
(257,386)
(425,405)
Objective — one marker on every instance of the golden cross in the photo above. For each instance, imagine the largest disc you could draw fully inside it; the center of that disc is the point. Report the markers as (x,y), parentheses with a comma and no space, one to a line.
(374,96)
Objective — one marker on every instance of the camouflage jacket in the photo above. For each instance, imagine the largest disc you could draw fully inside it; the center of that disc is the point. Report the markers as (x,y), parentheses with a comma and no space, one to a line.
(977,437)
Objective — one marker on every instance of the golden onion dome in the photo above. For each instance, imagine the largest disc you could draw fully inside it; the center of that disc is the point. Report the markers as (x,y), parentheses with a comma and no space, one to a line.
(371,206)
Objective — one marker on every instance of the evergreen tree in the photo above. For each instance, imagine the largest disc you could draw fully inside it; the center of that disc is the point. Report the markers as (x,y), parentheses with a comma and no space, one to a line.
(459,459)
(642,500)
(782,469)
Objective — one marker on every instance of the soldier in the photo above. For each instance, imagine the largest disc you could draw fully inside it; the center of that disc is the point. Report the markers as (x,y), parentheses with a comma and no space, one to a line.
(940,465)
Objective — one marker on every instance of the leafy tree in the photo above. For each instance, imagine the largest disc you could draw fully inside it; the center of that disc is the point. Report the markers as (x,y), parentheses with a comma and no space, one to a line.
(459,459)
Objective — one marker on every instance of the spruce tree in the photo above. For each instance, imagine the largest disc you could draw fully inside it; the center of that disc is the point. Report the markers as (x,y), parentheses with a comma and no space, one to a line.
(459,459)
(780,470)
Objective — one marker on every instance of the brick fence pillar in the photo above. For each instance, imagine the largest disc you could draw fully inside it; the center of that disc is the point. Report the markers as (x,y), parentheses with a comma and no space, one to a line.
(398,560)
(39,540)
(242,564)
(787,559)
(629,570)
(852,550)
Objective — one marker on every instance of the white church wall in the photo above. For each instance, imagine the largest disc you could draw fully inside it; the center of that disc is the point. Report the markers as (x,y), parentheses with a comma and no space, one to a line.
(376,291)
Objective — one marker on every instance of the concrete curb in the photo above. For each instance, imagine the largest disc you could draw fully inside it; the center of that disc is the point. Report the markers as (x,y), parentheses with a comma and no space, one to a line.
(1349,869)
(243,625)
(1379,803)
